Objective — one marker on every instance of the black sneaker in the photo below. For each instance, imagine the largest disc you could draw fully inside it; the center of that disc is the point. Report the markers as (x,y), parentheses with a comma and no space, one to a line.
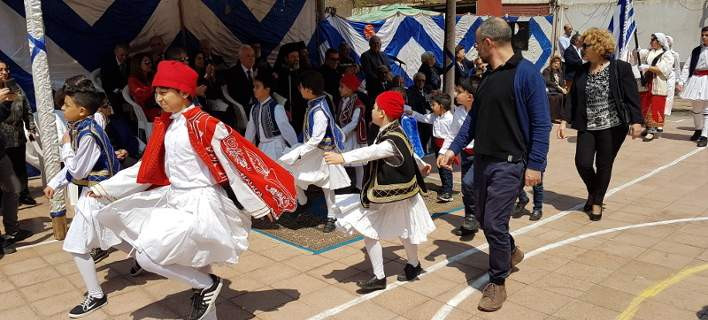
(445,197)
(89,305)
(329,225)
(521,205)
(702,142)
(372,284)
(410,272)
(135,269)
(536,215)
(17,236)
(203,300)
(696,135)
(98,254)
(26,199)
(7,248)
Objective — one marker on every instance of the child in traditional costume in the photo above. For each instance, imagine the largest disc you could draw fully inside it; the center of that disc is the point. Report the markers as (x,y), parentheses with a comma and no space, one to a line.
(391,206)
(465,99)
(352,120)
(269,127)
(88,159)
(321,134)
(188,204)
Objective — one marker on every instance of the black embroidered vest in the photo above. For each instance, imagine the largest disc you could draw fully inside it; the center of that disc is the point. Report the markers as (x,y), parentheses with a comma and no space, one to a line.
(395,178)
(266,119)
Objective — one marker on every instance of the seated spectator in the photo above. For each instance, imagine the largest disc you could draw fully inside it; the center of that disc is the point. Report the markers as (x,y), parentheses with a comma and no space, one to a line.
(431,71)
(209,91)
(261,61)
(139,84)
(122,137)
(210,57)
(555,84)
(114,73)
(177,54)
(157,49)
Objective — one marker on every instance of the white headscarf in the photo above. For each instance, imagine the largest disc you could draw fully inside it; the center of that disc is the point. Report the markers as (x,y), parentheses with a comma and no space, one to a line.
(662,40)
(670,41)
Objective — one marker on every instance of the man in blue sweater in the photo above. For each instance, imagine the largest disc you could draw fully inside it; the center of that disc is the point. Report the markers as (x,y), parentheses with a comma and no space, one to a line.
(510,125)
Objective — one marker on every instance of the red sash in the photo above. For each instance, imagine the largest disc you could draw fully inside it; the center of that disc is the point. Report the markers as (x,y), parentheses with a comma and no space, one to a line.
(271,182)
(700,73)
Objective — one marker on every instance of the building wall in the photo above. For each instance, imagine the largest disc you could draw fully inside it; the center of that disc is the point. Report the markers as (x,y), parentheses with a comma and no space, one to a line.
(527,10)
(682,20)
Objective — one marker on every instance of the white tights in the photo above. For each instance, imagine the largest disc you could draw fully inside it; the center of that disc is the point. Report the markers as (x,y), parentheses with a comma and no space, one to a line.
(87,270)
(375,251)
(332,209)
(195,278)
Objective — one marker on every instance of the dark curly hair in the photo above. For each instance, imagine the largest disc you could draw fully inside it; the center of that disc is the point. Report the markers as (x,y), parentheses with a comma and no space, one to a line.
(81,89)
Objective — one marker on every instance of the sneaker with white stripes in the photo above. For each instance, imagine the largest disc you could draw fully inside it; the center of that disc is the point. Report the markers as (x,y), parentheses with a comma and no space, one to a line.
(89,305)
(203,300)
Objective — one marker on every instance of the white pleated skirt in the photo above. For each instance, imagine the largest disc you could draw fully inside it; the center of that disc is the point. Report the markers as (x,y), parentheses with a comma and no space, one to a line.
(85,232)
(273,148)
(192,227)
(312,169)
(696,88)
(408,219)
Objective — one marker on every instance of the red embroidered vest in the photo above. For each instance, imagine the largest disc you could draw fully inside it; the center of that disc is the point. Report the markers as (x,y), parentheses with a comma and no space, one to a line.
(266,178)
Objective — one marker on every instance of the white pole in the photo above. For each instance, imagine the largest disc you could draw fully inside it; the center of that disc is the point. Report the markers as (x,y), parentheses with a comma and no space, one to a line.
(45,108)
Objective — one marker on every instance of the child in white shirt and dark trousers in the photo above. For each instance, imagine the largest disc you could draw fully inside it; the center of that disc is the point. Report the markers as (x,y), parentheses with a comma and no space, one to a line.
(445,129)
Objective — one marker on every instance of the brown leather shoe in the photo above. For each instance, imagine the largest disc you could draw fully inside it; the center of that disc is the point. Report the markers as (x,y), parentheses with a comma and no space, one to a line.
(516,256)
(493,297)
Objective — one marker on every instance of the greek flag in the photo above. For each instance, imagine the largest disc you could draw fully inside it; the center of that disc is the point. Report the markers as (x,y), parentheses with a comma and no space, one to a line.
(623,27)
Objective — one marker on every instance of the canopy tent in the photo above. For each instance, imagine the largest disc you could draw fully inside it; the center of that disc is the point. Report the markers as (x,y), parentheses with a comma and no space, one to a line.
(80,34)
(385,12)
(407,37)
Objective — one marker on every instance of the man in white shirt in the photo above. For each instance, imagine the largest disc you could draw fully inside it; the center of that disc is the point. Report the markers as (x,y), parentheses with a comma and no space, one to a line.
(564,39)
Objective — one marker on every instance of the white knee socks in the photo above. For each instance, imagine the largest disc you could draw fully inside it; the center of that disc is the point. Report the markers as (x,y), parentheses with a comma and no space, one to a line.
(87,269)
(375,251)
(191,276)
(411,251)
(332,209)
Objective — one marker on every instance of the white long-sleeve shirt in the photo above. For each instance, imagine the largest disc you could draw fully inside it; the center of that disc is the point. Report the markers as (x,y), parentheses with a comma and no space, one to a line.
(375,152)
(319,129)
(701,65)
(287,132)
(444,127)
(79,164)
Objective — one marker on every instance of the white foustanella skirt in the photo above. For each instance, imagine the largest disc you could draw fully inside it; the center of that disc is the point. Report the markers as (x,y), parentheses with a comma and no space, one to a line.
(408,219)
(191,227)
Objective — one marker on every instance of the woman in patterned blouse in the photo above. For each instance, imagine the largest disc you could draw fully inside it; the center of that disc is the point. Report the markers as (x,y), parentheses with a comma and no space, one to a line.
(603,107)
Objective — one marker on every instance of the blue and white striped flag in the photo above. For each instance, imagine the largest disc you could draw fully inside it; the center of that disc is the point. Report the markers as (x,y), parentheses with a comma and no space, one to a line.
(623,26)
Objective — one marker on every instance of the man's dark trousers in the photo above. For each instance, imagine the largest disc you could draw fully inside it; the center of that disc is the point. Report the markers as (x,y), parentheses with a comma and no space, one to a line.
(468,190)
(496,185)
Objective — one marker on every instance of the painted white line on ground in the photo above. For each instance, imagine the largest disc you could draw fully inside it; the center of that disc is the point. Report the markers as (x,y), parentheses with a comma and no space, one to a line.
(429,270)
(479,283)
(677,121)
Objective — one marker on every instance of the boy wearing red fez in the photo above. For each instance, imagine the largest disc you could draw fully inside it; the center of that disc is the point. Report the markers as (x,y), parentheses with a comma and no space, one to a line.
(390,206)
(320,134)
(352,120)
(188,203)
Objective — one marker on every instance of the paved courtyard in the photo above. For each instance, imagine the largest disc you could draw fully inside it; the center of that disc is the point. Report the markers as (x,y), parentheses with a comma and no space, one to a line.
(646,259)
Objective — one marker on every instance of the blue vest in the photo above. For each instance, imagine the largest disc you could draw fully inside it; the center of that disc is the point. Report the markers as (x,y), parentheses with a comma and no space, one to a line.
(266,119)
(334,137)
(107,164)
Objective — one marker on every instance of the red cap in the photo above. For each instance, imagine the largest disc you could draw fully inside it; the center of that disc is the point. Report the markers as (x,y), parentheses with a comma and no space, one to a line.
(176,75)
(391,103)
(351,81)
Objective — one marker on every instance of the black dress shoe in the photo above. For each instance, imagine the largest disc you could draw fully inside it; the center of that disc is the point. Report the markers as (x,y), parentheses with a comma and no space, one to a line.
(696,135)
(596,216)
(372,284)
(410,272)
(536,215)
(521,205)
(329,225)
(26,199)
(587,208)
(464,232)
(702,142)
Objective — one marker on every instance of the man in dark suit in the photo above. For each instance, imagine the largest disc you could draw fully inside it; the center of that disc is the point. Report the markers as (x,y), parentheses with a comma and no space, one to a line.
(331,75)
(464,68)
(573,59)
(210,57)
(239,79)
(114,73)
(416,99)
(371,61)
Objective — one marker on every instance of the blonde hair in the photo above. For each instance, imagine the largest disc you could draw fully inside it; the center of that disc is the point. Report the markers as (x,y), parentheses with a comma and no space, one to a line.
(600,40)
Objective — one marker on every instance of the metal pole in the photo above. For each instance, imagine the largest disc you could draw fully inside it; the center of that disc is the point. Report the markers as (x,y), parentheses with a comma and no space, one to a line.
(449,51)
(45,107)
